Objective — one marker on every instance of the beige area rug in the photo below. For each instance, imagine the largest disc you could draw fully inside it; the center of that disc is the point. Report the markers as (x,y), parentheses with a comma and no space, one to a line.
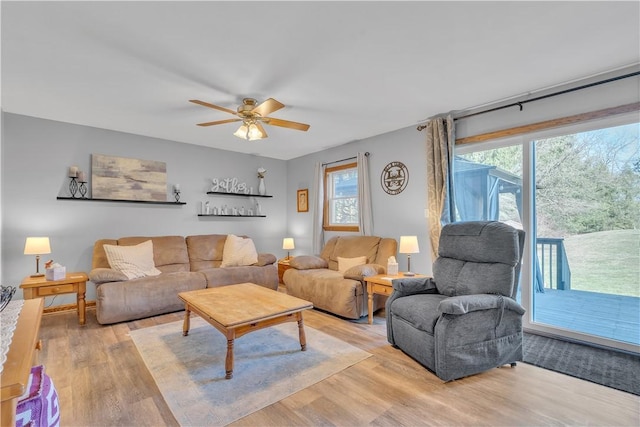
(268,366)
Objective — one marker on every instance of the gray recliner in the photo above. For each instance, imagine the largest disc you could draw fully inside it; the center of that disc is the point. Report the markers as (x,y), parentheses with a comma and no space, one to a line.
(465,319)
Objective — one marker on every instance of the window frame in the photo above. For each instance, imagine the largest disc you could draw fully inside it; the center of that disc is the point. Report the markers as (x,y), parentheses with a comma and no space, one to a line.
(325,216)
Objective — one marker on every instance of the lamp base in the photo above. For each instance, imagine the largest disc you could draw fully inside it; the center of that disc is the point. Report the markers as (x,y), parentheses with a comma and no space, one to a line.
(408,274)
(37,275)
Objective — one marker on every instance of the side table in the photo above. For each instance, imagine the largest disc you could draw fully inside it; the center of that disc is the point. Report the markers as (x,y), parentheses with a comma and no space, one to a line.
(381,284)
(283,265)
(36,287)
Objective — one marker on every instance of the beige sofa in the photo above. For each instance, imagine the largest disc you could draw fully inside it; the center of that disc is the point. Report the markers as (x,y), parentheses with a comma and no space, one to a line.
(186,264)
(319,280)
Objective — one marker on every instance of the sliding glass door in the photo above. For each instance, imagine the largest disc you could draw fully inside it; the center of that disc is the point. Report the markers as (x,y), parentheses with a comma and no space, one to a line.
(577,192)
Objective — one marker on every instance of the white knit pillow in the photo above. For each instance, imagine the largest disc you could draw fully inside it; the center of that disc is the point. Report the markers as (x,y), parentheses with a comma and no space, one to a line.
(238,251)
(346,263)
(133,261)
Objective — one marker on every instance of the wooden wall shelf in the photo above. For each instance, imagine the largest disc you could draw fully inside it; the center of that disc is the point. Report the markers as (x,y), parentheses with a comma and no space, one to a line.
(235,216)
(222,193)
(148,202)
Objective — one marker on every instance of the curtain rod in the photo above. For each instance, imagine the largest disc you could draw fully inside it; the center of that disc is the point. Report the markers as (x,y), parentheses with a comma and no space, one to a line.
(344,160)
(562,92)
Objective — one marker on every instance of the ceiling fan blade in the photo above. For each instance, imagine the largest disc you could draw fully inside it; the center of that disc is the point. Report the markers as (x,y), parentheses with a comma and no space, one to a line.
(267,107)
(286,124)
(215,107)
(219,122)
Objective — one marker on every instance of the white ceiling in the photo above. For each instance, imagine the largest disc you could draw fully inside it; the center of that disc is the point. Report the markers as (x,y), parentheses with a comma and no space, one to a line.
(350,69)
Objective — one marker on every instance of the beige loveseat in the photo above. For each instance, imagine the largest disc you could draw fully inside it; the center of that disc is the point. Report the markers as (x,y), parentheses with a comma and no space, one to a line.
(319,279)
(186,264)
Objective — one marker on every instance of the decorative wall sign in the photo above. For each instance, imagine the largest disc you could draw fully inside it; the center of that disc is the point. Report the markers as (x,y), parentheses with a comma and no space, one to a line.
(121,178)
(394,178)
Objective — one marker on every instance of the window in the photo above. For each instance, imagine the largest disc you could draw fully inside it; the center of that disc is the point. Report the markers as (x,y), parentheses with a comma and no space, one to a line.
(341,198)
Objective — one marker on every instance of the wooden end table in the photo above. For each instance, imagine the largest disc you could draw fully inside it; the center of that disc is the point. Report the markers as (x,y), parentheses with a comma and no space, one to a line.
(236,310)
(381,284)
(73,283)
(283,265)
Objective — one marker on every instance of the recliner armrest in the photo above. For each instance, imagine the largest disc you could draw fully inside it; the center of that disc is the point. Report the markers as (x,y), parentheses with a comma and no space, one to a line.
(359,272)
(414,285)
(265,259)
(104,275)
(463,304)
(308,262)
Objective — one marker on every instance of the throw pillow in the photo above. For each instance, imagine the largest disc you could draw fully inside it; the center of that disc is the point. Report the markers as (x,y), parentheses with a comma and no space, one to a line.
(346,263)
(134,261)
(238,251)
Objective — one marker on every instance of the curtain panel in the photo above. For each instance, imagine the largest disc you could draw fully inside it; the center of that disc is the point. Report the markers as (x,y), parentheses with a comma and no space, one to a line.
(440,198)
(317,203)
(365,211)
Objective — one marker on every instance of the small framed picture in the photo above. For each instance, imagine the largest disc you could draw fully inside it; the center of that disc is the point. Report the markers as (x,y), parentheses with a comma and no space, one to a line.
(303,200)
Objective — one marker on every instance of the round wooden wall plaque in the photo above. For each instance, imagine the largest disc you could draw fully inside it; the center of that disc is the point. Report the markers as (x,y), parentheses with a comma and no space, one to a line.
(394,178)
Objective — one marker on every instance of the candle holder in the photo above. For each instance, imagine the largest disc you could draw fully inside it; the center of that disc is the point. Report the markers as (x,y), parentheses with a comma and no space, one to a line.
(177,195)
(83,189)
(73,186)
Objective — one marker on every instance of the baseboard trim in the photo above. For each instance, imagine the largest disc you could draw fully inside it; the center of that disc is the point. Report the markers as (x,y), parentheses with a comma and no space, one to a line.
(67,307)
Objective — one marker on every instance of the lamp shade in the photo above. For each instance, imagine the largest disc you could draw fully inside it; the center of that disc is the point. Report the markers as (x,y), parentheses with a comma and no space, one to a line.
(409,245)
(37,246)
(288,244)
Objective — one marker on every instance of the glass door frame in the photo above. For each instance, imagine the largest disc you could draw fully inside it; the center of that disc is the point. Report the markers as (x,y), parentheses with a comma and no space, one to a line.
(527,142)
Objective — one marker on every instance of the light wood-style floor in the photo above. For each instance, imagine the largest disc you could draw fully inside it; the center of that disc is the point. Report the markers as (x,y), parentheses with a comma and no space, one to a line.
(102,381)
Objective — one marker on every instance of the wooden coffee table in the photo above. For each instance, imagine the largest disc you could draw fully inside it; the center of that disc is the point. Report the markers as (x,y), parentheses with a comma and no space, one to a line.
(236,310)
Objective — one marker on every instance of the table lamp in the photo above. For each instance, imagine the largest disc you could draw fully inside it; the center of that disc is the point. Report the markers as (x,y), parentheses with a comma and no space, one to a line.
(37,246)
(409,245)
(287,243)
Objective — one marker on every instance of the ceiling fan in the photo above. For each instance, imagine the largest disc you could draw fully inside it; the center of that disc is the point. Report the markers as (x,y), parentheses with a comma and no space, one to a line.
(252,115)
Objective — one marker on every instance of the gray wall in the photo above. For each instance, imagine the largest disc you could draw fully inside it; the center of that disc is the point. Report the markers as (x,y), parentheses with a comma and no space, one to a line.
(613,94)
(36,155)
(393,216)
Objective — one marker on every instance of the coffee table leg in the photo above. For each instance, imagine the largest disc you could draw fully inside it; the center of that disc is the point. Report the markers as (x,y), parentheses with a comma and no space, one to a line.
(303,338)
(187,318)
(228,363)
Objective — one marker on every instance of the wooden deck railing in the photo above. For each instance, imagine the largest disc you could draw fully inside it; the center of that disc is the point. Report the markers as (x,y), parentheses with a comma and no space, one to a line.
(553,264)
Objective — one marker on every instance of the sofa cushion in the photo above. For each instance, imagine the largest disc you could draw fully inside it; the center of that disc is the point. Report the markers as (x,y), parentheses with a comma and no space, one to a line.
(169,252)
(420,310)
(205,251)
(354,246)
(238,251)
(456,277)
(144,297)
(345,264)
(133,261)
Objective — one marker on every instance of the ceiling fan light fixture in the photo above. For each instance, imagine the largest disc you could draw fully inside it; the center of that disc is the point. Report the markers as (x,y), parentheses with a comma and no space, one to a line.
(242,132)
(255,133)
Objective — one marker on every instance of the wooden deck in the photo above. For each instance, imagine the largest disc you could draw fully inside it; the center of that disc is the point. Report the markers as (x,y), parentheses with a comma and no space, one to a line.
(606,315)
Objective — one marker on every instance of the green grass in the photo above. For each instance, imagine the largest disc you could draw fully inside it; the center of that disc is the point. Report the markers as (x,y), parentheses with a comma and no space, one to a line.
(605,262)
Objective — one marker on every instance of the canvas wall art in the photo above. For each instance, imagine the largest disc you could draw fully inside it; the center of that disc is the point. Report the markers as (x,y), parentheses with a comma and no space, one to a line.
(123,178)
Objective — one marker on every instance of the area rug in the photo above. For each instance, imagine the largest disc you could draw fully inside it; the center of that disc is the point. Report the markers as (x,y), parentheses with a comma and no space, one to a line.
(602,366)
(268,366)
